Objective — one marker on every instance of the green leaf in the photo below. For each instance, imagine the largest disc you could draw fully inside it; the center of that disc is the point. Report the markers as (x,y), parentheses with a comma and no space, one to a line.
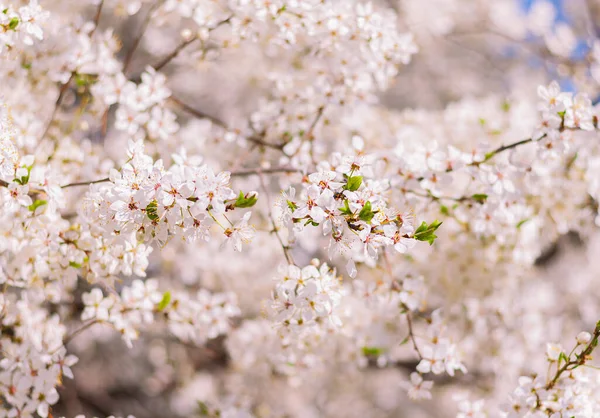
(292,205)
(426,232)
(14,22)
(203,409)
(372,351)
(245,201)
(74,264)
(36,205)
(366,213)
(489,155)
(24,179)
(164,302)
(83,80)
(346,209)
(354,183)
(562,356)
(152,210)
(479,198)
(521,223)
(445,211)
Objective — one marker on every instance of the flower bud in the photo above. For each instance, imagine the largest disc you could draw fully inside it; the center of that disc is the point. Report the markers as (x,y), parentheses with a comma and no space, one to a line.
(584,337)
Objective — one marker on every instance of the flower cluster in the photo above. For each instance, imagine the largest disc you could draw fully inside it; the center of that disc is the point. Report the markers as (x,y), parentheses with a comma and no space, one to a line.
(144,201)
(21,24)
(351,206)
(133,133)
(190,319)
(33,356)
(142,112)
(569,387)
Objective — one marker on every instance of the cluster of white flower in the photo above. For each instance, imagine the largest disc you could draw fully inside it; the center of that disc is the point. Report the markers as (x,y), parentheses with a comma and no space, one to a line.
(141,106)
(143,201)
(570,387)
(33,357)
(102,125)
(351,205)
(190,319)
(303,309)
(21,24)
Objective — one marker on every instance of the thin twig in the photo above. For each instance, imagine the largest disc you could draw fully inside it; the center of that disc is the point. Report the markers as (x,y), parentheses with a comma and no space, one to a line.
(197,113)
(61,95)
(503,148)
(85,183)
(184,44)
(97,17)
(239,173)
(138,39)
(579,360)
(174,53)
(284,247)
(78,331)
(260,171)
(412,334)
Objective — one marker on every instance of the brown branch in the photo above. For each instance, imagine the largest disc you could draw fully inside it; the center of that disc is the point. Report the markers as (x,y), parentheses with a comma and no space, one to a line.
(61,95)
(197,113)
(275,230)
(260,171)
(85,183)
(184,44)
(239,173)
(79,330)
(411,334)
(579,360)
(136,42)
(174,53)
(97,17)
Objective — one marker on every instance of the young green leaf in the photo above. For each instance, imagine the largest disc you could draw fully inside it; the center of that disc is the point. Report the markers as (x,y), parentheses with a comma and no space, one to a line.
(14,22)
(164,302)
(426,232)
(479,198)
(151,210)
(346,209)
(246,201)
(354,183)
(372,351)
(36,204)
(366,213)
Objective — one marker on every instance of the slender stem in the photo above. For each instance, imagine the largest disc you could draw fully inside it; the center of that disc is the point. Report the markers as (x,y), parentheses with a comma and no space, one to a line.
(61,95)
(579,360)
(260,171)
(239,173)
(85,183)
(256,139)
(412,334)
(503,148)
(97,17)
(285,248)
(197,113)
(184,44)
(137,40)
(78,331)
(174,53)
